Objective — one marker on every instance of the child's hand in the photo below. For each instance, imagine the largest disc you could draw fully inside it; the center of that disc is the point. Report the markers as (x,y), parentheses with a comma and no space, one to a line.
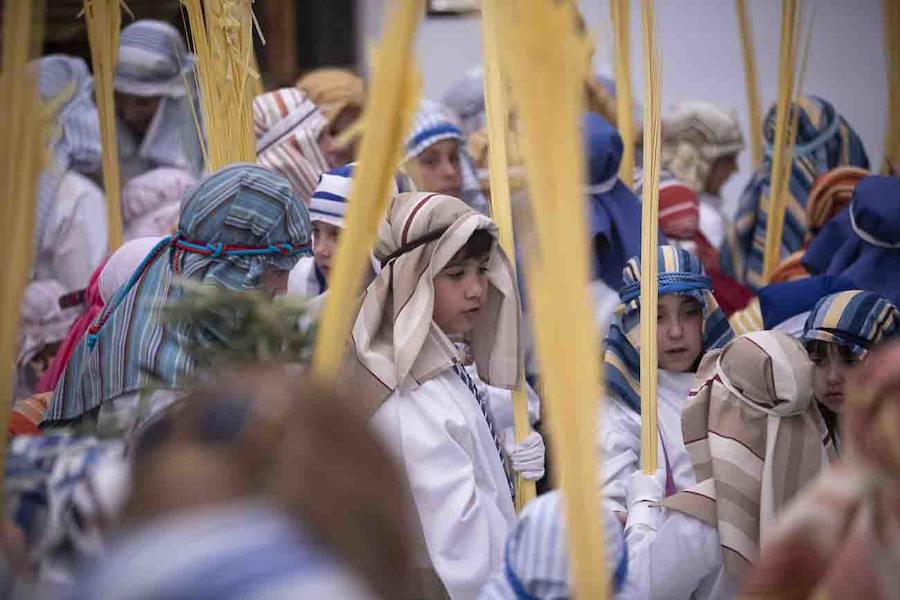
(527,456)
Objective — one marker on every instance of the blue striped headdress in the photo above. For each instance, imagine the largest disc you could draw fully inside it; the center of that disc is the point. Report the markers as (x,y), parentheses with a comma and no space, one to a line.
(824,141)
(153,61)
(856,319)
(234,225)
(680,272)
(329,200)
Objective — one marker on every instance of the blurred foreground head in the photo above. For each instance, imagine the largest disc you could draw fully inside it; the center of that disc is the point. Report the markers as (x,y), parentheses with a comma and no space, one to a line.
(272,433)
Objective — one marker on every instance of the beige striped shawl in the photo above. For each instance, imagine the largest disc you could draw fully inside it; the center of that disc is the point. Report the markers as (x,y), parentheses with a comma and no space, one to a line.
(755,438)
(395,342)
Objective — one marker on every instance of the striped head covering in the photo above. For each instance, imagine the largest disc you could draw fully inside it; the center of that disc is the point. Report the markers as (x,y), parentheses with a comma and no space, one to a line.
(395,341)
(329,200)
(680,272)
(434,123)
(235,224)
(694,136)
(536,558)
(839,538)
(153,61)
(679,206)
(830,195)
(333,90)
(824,141)
(151,202)
(755,439)
(856,319)
(615,212)
(65,84)
(287,126)
(43,321)
(863,242)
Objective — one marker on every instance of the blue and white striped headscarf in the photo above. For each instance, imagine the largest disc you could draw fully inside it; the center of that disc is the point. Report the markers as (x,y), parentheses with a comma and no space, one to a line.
(856,319)
(65,83)
(824,141)
(432,124)
(329,200)
(680,272)
(234,225)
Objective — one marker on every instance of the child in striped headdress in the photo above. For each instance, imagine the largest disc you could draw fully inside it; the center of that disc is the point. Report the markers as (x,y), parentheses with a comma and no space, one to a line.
(755,440)
(824,140)
(241,228)
(838,334)
(436,157)
(327,207)
(689,324)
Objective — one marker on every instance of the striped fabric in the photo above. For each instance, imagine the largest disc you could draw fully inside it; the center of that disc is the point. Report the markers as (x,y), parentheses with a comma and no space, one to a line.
(536,562)
(329,200)
(831,194)
(226,552)
(432,124)
(287,126)
(695,134)
(65,84)
(680,272)
(754,437)
(153,60)
(395,340)
(856,319)
(133,347)
(679,206)
(840,538)
(824,142)
(62,491)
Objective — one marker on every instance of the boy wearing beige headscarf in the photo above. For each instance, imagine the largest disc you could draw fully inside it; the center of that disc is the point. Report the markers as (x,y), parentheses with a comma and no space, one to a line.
(444,279)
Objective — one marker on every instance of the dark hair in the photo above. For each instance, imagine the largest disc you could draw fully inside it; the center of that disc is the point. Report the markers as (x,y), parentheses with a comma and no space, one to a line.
(818,349)
(477,246)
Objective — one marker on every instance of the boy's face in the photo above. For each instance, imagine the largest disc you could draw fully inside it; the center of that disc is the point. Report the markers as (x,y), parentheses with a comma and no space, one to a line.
(437,169)
(274,281)
(460,290)
(679,325)
(325,239)
(136,112)
(832,364)
(721,170)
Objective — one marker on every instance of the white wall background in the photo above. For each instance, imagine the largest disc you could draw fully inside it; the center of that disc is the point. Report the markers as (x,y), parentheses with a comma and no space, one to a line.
(702,57)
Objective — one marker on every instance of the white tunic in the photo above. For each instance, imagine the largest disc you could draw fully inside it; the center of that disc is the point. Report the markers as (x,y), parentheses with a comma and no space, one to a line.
(670,555)
(459,488)
(713,223)
(620,439)
(74,240)
(302,280)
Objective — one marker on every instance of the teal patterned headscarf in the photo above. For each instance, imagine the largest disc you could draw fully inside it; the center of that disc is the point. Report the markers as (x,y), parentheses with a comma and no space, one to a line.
(235,224)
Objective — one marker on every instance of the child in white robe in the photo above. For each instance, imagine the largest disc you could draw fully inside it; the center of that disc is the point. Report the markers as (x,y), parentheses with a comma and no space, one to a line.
(690,324)
(443,274)
(755,439)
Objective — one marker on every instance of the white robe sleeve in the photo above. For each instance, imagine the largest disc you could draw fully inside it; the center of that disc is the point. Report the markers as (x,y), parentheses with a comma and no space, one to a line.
(619,437)
(456,478)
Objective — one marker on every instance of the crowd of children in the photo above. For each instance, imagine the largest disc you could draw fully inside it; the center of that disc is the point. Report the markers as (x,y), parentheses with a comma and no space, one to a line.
(138,469)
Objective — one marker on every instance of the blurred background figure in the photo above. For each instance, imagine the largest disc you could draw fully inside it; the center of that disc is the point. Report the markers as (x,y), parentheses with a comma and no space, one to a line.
(155,88)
